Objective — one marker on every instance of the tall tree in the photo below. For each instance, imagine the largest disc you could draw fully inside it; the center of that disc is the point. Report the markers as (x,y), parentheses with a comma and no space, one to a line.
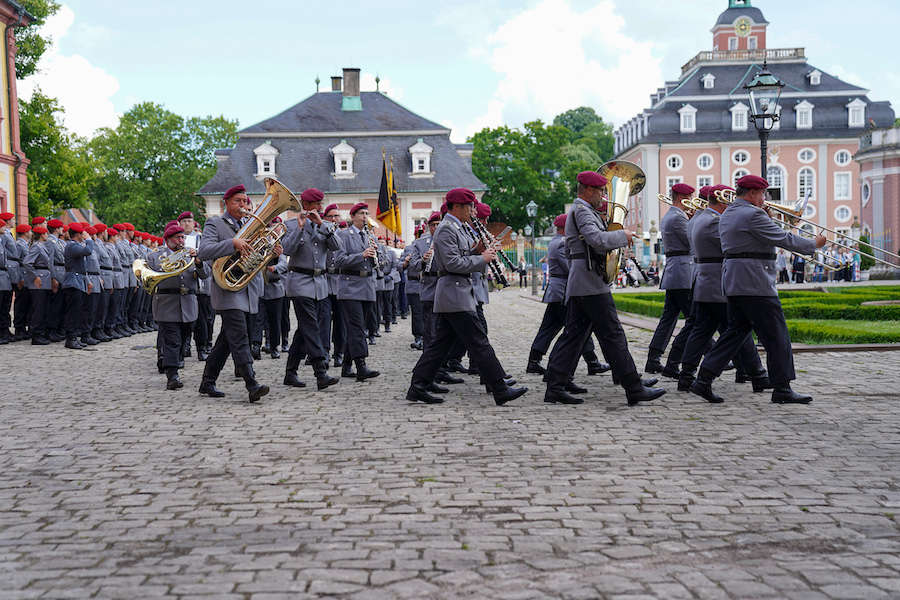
(30,45)
(61,170)
(576,119)
(151,164)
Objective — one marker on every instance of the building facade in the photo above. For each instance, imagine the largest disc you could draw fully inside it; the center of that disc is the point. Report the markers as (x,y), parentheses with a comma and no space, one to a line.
(334,141)
(697,129)
(879,165)
(13,164)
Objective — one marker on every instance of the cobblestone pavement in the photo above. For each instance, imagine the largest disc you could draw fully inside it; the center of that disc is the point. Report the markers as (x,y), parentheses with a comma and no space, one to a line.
(111,487)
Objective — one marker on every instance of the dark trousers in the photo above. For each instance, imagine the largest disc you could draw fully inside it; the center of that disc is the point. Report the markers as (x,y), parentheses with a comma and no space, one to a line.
(584,315)
(783,276)
(466,327)
(254,328)
(271,311)
(324,325)
(402,298)
(134,306)
(427,322)
(798,276)
(74,300)
(39,301)
(386,310)
(5,304)
(418,322)
(89,312)
(338,330)
(552,323)
(354,314)
(395,301)
(285,319)
(55,310)
(115,304)
(234,340)
(307,340)
(202,329)
(371,315)
(21,307)
(172,338)
(677,302)
(103,303)
(763,315)
(710,317)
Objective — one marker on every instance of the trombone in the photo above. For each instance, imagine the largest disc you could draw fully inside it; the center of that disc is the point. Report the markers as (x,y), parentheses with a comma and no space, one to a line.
(791,215)
(688,205)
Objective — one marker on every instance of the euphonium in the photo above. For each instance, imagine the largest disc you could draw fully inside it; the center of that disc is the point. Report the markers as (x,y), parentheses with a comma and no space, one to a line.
(171,265)
(624,179)
(233,273)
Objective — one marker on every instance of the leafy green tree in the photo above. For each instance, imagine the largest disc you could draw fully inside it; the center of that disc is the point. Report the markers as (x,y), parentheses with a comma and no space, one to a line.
(152,163)
(61,170)
(576,119)
(30,46)
(599,138)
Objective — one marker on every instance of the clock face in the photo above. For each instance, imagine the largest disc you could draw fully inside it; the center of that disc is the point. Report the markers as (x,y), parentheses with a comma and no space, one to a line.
(742,26)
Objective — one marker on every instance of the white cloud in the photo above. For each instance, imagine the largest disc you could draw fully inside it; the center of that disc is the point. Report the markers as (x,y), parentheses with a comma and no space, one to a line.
(84,90)
(553,57)
(367,84)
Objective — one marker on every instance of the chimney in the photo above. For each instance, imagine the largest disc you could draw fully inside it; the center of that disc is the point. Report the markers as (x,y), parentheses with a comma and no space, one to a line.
(351,100)
(335,83)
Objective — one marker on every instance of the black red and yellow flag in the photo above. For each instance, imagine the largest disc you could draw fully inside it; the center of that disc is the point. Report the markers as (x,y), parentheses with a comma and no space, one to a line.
(388,209)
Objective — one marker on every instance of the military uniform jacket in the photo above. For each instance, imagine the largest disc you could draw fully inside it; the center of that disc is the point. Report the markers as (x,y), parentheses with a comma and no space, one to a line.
(14,256)
(106,264)
(692,222)
(76,271)
(216,242)
(387,265)
(308,249)
(584,221)
(557,270)
(118,275)
(37,264)
(413,268)
(192,240)
(745,228)
(357,280)
(677,273)
(126,258)
(454,261)
(428,280)
(5,281)
(707,247)
(331,265)
(58,266)
(273,281)
(92,267)
(180,307)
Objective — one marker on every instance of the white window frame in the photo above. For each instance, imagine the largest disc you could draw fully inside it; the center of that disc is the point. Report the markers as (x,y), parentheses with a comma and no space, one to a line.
(856,108)
(839,208)
(343,152)
(801,159)
(266,155)
(669,167)
(783,174)
(737,174)
(845,163)
(732,43)
(735,154)
(751,43)
(849,185)
(687,112)
(815,77)
(712,161)
(740,117)
(802,109)
(418,152)
(866,193)
(704,180)
(801,189)
(708,81)
(810,211)
(673,180)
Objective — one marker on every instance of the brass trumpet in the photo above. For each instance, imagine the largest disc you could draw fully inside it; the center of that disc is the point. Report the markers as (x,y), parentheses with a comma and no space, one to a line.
(689,208)
(171,265)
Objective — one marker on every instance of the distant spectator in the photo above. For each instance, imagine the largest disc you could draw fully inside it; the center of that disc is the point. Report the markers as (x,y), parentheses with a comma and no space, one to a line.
(799,268)
(781,265)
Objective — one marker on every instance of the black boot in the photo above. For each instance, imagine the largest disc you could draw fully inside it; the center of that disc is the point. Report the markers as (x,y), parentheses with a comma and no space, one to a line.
(443,376)
(347,368)
(503,393)
(87,340)
(702,386)
(40,340)
(338,360)
(783,394)
(255,352)
(671,371)
(290,378)
(761,382)
(436,389)
(254,389)
(98,334)
(574,388)
(362,371)
(209,388)
(534,363)
(455,365)
(741,377)
(558,395)
(172,380)
(202,354)
(686,379)
(73,344)
(653,364)
(636,391)
(418,393)
(595,367)
(323,379)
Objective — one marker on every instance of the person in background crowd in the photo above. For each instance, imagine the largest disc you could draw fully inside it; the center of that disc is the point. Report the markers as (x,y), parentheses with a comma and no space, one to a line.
(781,265)
(22,304)
(5,283)
(799,268)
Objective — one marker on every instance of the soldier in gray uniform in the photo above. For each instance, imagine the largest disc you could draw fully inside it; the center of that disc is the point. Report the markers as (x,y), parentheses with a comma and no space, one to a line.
(355,263)
(92,300)
(106,280)
(117,289)
(676,281)
(749,238)
(174,304)
(332,328)
(455,259)
(386,311)
(709,304)
(219,240)
(36,266)
(307,242)
(5,283)
(22,302)
(411,264)
(56,304)
(75,284)
(126,257)
(590,306)
(203,326)
(271,305)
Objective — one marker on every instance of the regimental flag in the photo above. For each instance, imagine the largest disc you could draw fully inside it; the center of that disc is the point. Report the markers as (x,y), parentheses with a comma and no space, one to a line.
(388,211)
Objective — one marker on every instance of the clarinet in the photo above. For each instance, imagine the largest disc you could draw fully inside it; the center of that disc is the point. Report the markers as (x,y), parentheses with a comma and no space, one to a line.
(494,265)
(376,262)
(485,234)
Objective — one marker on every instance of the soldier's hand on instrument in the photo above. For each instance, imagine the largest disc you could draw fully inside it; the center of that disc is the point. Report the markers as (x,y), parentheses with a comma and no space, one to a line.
(277,250)
(820,240)
(489,255)
(90,287)
(315,217)
(37,282)
(242,246)
(369,252)
(192,252)
(54,285)
(271,268)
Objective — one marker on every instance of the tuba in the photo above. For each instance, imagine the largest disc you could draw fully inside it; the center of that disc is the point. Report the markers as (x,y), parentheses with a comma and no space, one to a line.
(624,179)
(171,265)
(235,272)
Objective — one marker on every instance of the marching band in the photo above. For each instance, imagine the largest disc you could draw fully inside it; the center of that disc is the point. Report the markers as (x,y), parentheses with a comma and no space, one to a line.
(87,284)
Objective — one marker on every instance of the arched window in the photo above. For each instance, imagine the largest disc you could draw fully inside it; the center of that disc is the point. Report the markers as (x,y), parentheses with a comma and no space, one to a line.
(806,183)
(737,175)
(775,177)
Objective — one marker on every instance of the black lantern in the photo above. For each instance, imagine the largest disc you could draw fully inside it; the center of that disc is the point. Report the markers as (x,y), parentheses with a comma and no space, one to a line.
(765,91)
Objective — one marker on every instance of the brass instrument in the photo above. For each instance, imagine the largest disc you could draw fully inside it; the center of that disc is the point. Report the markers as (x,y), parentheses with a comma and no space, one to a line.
(233,273)
(171,265)
(373,243)
(495,241)
(689,207)
(494,265)
(624,179)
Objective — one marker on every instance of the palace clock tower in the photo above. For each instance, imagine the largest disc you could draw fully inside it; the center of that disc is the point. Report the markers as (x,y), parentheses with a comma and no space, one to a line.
(740,27)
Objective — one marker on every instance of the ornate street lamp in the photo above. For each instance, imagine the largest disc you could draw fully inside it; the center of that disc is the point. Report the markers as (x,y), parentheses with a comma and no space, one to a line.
(765,91)
(531,211)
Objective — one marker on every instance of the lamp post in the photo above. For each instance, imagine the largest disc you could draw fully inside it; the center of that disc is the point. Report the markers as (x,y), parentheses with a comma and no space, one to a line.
(531,211)
(765,91)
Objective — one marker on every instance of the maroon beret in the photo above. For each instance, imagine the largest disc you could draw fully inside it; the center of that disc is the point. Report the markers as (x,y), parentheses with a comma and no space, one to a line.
(682,188)
(172,230)
(435,217)
(343,225)
(90,230)
(592,179)
(54,223)
(7,216)
(482,210)
(40,230)
(99,227)
(461,196)
(705,192)
(128,226)
(560,221)
(76,227)
(235,189)
(2,223)
(312,195)
(752,182)
(120,226)
(38,221)
(358,207)
(23,228)
(170,223)
(329,208)
(185,215)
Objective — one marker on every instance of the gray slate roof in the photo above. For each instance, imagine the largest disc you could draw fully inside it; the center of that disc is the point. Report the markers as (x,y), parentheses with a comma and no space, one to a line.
(732,79)
(730,15)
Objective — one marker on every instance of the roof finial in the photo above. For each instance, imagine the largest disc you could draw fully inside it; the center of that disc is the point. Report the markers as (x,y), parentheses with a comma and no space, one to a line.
(317,84)
(377,83)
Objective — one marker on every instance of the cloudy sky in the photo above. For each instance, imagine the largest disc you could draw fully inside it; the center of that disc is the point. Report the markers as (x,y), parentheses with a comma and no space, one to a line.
(464,63)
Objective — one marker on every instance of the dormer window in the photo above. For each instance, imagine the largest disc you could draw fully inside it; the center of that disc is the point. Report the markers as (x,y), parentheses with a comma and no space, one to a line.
(708,81)
(804,115)
(815,77)
(688,118)
(343,160)
(420,152)
(739,116)
(265,160)
(856,117)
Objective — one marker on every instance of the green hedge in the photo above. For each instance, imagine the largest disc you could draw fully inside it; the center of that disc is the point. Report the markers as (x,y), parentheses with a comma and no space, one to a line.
(638,306)
(852,312)
(838,332)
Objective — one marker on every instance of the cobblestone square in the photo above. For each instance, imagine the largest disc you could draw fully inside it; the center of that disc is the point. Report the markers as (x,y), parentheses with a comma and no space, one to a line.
(112,487)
